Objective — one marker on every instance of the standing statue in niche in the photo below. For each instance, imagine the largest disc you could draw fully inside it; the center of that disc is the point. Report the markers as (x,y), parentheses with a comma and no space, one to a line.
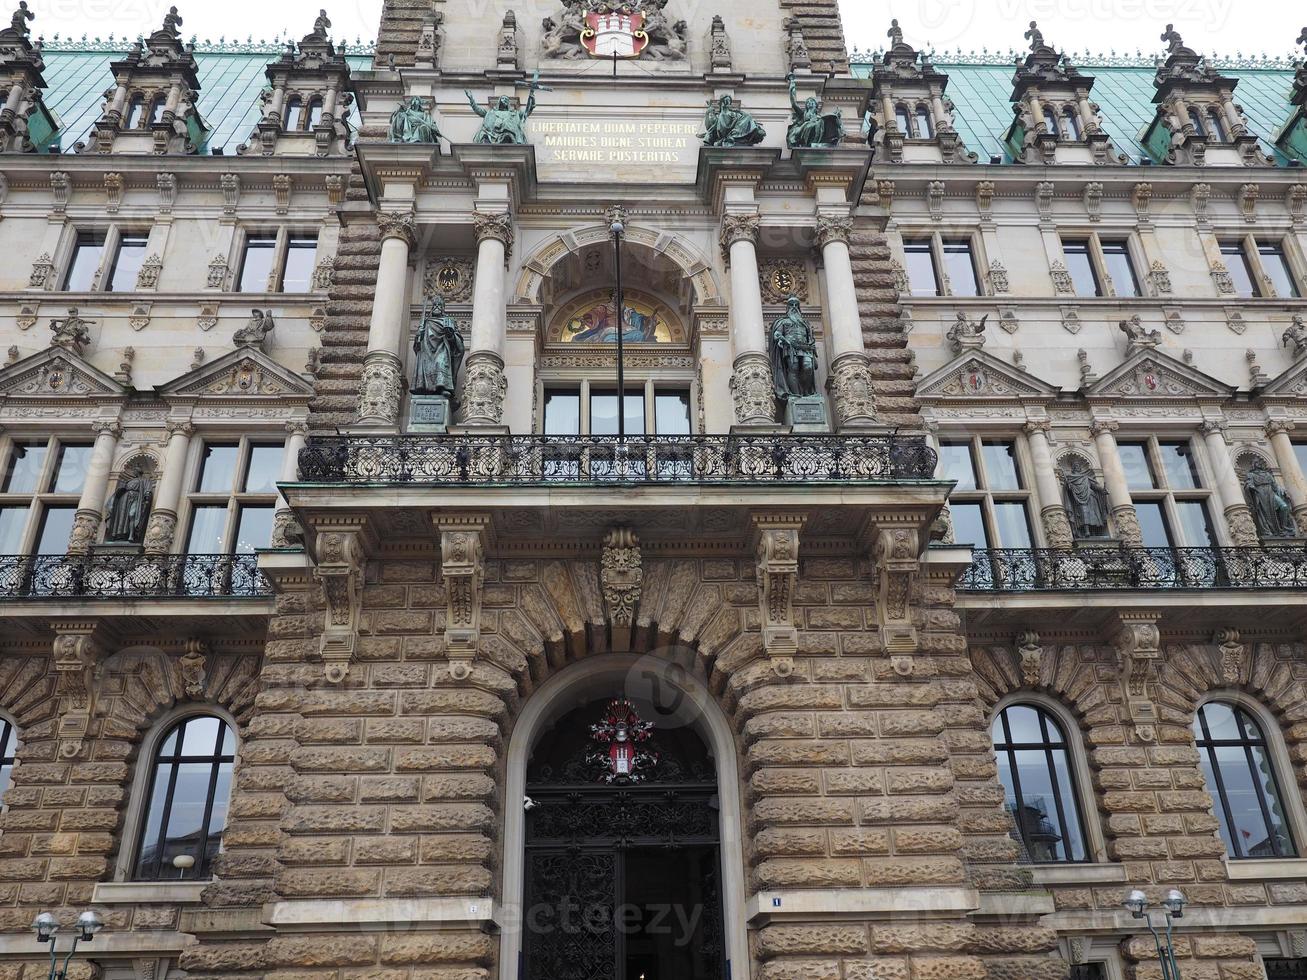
(501,124)
(1272,512)
(793,355)
(129,510)
(439,349)
(726,125)
(411,123)
(1085,500)
(810,128)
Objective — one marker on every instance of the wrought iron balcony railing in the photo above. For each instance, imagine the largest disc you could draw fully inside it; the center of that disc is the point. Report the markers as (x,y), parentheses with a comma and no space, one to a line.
(546,460)
(1121,568)
(132,577)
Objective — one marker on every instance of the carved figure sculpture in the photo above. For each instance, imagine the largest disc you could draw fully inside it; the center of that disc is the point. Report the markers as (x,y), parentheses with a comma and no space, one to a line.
(964,329)
(411,123)
(793,354)
(667,41)
(129,509)
(1137,336)
(1272,512)
(1085,500)
(809,126)
(726,125)
(71,332)
(255,333)
(501,124)
(1035,36)
(1297,335)
(562,37)
(171,22)
(1172,38)
(895,33)
(439,348)
(18,24)
(320,26)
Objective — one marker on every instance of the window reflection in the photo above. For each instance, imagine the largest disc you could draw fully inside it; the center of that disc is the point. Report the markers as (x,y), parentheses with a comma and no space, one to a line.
(1034,766)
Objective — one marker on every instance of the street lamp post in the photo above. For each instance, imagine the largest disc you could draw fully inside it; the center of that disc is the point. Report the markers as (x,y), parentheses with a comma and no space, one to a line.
(46,925)
(1172,908)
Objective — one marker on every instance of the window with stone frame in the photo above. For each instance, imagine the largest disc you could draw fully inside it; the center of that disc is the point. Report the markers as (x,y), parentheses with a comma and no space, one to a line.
(1259,268)
(1166,488)
(589,407)
(280,261)
(1241,776)
(1102,265)
(991,502)
(915,120)
(186,801)
(8,749)
(233,497)
(942,265)
(106,259)
(40,485)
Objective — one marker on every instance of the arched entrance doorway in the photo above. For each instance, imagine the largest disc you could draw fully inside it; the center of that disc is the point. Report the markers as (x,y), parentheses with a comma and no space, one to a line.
(623,858)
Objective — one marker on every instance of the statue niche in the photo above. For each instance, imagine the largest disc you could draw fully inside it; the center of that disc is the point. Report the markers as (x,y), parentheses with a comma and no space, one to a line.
(1085,499)
(439,350)
(1272,512)
(129,507)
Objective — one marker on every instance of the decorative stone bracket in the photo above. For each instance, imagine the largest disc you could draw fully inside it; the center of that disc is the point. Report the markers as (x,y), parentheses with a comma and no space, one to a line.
(1138,645)
(341,564)
(76,652)
(194,668)
(896,551)
(1031,655)
(778,575)
(621,575)
(1232,655)
(463,567)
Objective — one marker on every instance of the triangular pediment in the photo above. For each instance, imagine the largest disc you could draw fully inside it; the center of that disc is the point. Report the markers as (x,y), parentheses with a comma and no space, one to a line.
(57,373)
(1153,374)
(1291,384)
(974,374)
(246,372)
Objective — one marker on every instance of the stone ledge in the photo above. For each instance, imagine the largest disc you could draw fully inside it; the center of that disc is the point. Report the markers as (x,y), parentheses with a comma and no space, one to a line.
(148,892)
(860,903)
(1077,874)
(1013,906)
(382,913)
(106,943)
(1119,921)
(1273,870)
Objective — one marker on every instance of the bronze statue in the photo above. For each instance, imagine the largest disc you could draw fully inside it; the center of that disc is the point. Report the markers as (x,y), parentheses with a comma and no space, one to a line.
(411,123)
(501,124)
(1085,500)
(726,125)
(439,349)
(1270,507)
(809,126)
(129,509)
(793,355)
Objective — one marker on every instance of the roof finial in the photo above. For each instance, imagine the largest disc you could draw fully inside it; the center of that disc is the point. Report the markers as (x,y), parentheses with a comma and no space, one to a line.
(1035,36)
(1172,37)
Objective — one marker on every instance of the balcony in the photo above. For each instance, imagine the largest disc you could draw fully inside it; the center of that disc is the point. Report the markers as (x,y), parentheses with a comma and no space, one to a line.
(64,577)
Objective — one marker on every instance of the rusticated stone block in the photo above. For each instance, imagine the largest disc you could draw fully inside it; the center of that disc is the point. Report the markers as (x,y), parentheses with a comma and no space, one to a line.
(913,870)
(313,850)
(779,873)
(434,948)
(434,759)
(855,782)
(859,842)
(458,786)
(902,810)
(786,782)
(900,752)
(904,781)
(328,882)
(924,937)
(810,940)
(341,759)
(789,842)
(847,724)
(451,848)
(336,819)
(800,970)
(779,725)
(781,812)
(444,816)
(926,840)
(221,958)
(798,753)
(322,950)
(947,968)
(385,850)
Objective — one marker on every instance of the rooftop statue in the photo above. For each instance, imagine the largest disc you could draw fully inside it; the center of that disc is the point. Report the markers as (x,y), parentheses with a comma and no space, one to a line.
(793,354)
(809,126)
(1302,38)
(501,124)
(21,16)
(1035,36)
(320,26)
(725,125)
(895,33)
(1271,510)
(439,348)
(411,123)
(171,22)
(1173,39)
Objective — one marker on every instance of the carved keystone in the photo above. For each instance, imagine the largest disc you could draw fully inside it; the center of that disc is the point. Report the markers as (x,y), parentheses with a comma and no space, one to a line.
(463,566)
(194,668)
(341,552)
(1032,657)
(76,653)
(896,551)
(1138,644)
(621,574)
(778,573)
(1232,655)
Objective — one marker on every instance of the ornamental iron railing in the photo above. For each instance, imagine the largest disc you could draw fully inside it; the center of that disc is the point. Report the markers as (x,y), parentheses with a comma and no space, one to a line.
(1120,568)
(132,577)
(547,460)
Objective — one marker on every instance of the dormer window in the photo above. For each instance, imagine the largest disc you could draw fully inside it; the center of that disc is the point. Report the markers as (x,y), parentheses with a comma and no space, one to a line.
(294,114)
(315,112)
(136,112)
(1072,124)
(156,109)
(904,119)
(1215,128)
(1050,123)
(925,130)
(1196,121)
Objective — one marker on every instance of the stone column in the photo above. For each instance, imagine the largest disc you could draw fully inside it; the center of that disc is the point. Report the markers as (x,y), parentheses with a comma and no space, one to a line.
(1124,517)
(286,531)
(1052,514)
(382,385)
(90,508)
(1238,518)
(850,378)
(484,384)
(163,518)
(1295,484)
(751,381)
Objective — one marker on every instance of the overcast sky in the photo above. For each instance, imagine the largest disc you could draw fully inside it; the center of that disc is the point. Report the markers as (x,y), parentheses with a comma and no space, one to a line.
(1221,26)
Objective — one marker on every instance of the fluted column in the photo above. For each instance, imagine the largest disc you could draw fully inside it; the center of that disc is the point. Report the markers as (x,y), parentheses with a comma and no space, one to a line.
(1052,514)
(160,531)
(90,507)
(850,377)
(751,381)
(382,385)
(1295,484)
(1238,518)
(286,531)
(484,384)
(1124,517)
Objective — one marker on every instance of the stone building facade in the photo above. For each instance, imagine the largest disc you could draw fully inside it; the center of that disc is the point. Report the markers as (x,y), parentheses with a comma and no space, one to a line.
(349,635)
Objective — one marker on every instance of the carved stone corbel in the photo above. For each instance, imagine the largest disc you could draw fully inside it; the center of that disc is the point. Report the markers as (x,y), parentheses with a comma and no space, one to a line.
(76,652)
(1232,655)
(341,552)
(1138,644)
(778,574)
(1032,657)
(896,551)
(621,575)
(463,567)
(194,668)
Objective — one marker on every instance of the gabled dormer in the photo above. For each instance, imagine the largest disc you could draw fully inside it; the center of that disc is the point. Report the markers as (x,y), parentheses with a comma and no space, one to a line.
(151,108)
(1055,121)
(26,124)
(306,104)
(913,118)
(1292,140)
(1198,123)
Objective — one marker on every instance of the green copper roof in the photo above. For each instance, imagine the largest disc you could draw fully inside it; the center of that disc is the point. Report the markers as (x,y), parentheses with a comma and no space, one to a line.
(230,83)
(981,93)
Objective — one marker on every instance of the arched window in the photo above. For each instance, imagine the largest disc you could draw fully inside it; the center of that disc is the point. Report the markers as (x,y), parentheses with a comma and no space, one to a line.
(8,745)
(1196,120)
(1242,781)
(925,130)
(294,114)
(1072,123)
(136,112)
(1034,766)
(1215,127)
(156,109)
(904,119)
(1050,122)
(186,804)
(315,112)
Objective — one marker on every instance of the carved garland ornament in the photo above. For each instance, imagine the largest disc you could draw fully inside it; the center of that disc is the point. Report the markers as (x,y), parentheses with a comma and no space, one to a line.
(339,571)
(897,560)
(778,576)
(462,566)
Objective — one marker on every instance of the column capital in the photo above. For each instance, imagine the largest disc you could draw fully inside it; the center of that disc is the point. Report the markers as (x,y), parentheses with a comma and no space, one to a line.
(1100,426)
(108,426)
(494,225)
(179,427)
(1043,426)
(297,427)
(398,224)
(1213,427)
(1277,427)
(739,228)
(833,228)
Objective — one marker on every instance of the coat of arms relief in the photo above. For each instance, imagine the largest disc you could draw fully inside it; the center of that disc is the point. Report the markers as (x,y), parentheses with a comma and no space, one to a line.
(614,29)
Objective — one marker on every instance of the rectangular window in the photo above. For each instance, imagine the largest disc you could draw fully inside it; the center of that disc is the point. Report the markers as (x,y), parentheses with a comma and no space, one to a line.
(1012,522)
(969,524)
(88,253)
(603,413)
(990,505)
(25,467)
(1241,272)
(960,266)
(920,267)
(1080,263)
(297,276)
(234,498)
(208,530)
(13,521)
(257,264)
(1276,266)
(1300,451)
(1001,470)
(70,466)
(1178,462)
(254,528)
(1195,527)
(263,469)
(1138,471)
(127,262)
(1116,260)
(218,467)
(562,412)
(672,413)
(1152,524)
(56,526)
(955,463)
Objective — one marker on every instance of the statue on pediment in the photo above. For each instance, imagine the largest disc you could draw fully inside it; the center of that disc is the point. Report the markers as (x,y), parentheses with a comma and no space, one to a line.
(439,348)
(793,354)
(411,123)
(1137,338)
(70,332)
(255,332)
(1271,510)
(129,509)
(810,127)
(727,125)
(1296,334)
